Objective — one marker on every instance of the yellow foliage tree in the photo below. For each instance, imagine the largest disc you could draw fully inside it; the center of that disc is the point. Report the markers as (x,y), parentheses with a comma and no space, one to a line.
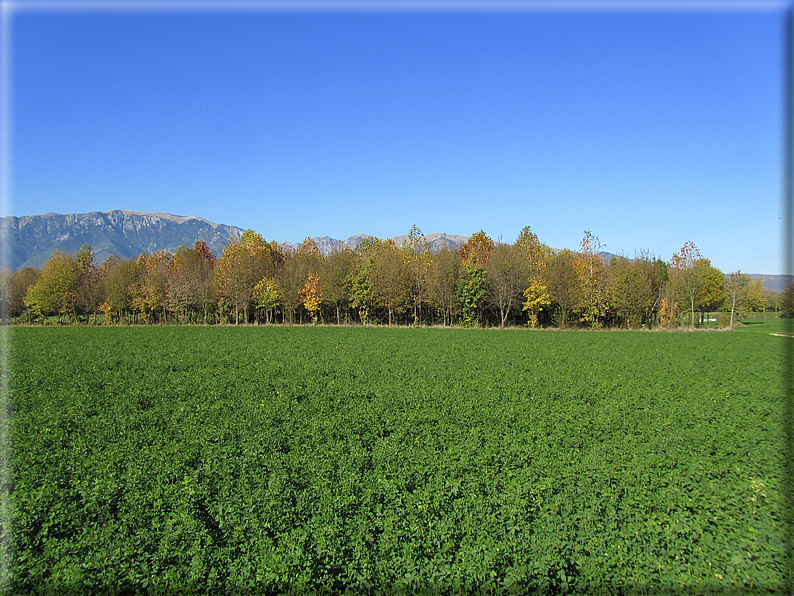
(267,296)
(310,294)
(536,257)
(537,298)
(667,313)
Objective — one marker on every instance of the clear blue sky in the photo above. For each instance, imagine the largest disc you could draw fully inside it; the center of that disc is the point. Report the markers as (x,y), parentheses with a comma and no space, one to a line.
(650,128)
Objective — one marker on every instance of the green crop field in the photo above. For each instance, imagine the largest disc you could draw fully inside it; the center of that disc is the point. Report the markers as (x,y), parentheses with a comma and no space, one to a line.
(375,460)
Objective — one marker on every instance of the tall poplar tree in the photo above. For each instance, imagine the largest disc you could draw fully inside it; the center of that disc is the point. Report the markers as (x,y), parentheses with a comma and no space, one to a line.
(507,277)
(416,251)
(686,277)
(593,275)
(535,255)
(444,277)
(391,281)
(335,279)
(475,256)
(736,284)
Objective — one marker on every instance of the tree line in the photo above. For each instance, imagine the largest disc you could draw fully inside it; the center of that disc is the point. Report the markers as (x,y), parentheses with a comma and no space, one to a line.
(484,283)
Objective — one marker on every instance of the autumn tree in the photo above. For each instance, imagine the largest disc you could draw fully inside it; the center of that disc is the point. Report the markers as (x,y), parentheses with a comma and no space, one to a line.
(122,278)
(786,301)
(55,291)
(5,293)
(756,299)
(564,284)
(204,273)
(685,276)
(242,265)
(736,284)
(535,256)
(199,270)
(90,288)
(311,296)
(711,293)
(536,298)
(361,277)
(267,296)
(312,258)
(149,297)
(475,257)
(416,253)
(637,288)
(335,279)
(391,281)
(477,250)
(290,281)
(189,288)
(307,262)
(444,278)
(507,275)
(593,280)
(20,283)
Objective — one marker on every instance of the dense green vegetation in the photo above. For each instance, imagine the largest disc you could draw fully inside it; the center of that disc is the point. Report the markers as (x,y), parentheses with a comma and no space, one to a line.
(300,459)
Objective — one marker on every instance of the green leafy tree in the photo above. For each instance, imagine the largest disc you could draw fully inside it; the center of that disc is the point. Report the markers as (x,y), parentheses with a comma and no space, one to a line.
(475,257)
(472,288)
(712,293)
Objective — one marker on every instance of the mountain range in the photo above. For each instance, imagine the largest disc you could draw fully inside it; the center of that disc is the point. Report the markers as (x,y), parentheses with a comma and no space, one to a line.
(32,239)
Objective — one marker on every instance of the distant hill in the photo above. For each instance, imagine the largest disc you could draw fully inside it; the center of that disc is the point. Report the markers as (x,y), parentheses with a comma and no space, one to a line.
(773,283)
(328,245)
(437,241)
(31,239)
